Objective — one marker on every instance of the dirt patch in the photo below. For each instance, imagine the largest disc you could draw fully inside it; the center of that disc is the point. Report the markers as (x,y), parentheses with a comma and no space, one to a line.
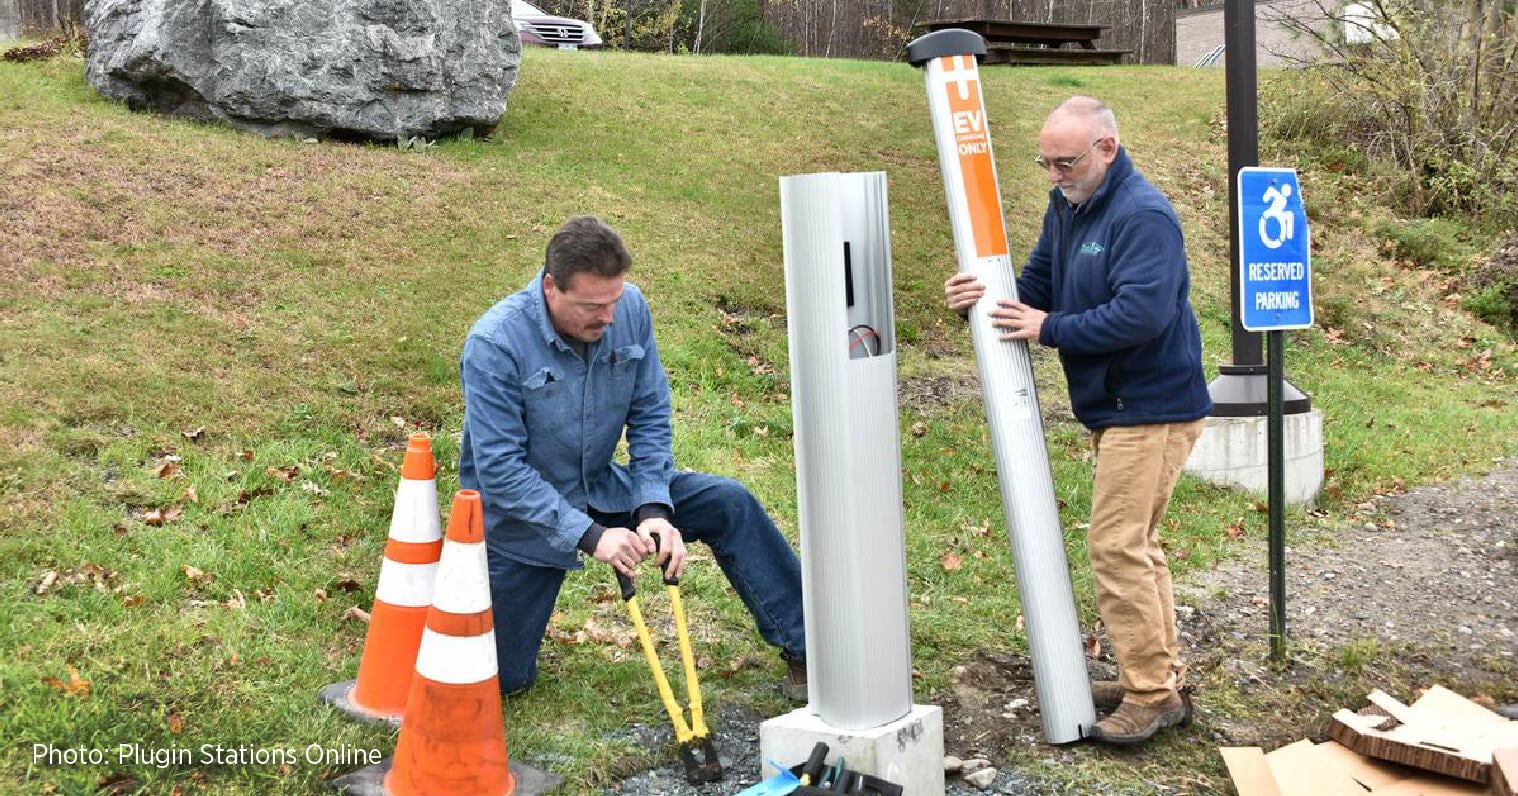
(929,392)
(1433,568)
(1418,591)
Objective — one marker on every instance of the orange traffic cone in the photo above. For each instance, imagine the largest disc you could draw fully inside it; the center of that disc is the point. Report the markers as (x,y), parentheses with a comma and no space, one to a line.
(402,597)
(453,740)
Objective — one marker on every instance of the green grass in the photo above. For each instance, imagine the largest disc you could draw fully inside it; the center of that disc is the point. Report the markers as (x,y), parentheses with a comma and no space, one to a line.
(305,304)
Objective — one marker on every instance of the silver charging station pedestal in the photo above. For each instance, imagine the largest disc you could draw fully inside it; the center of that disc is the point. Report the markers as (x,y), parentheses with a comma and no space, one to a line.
(949,59)
(848,475)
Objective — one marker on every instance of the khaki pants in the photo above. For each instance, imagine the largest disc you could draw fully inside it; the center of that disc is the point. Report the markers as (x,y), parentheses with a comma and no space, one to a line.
(1136,469)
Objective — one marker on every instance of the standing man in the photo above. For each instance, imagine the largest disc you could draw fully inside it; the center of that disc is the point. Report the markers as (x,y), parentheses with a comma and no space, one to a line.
(553,376)
(1107,286)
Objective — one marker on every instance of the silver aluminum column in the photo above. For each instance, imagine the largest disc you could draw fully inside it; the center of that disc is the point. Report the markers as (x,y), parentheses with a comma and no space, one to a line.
(848,446)
(1006,377)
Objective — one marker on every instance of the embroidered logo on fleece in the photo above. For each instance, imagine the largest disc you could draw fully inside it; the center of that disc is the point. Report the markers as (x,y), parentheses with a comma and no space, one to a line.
(1092,247)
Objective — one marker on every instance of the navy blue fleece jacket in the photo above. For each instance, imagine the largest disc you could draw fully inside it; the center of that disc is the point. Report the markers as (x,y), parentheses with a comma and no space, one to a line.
(1112,275)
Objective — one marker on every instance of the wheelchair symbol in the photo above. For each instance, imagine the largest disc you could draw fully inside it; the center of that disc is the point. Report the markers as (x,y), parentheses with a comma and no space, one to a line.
(1285,220)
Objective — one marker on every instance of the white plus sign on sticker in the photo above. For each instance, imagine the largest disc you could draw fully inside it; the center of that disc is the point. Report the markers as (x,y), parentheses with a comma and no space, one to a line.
(962,75)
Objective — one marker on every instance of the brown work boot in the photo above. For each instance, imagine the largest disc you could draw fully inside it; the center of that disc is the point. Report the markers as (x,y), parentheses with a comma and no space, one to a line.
(793,687)
(1107,694)
(1132,723)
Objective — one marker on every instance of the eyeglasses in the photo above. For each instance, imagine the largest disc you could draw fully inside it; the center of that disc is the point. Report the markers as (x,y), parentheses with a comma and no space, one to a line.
(1066,164)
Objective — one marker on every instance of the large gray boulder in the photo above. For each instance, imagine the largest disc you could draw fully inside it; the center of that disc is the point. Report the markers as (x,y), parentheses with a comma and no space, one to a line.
(359,69)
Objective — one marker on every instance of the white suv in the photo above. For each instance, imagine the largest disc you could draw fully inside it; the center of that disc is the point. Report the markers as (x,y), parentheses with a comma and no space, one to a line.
(540,28)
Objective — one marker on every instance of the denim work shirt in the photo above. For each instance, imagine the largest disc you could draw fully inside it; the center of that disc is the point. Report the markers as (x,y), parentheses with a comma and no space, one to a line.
(541,425)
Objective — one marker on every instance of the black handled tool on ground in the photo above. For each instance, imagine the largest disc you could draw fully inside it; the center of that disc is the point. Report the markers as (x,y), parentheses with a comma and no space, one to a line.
(692,737)
(816,778)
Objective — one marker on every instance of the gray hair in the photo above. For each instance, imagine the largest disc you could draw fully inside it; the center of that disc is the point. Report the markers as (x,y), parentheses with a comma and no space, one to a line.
(585,244)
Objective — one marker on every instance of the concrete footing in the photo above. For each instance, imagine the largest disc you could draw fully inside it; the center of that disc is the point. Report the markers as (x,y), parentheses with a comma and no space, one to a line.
(1235,451)
(907,751)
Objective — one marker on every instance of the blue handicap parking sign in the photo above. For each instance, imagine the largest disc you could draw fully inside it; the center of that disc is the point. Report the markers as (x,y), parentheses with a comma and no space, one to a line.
(1275,273)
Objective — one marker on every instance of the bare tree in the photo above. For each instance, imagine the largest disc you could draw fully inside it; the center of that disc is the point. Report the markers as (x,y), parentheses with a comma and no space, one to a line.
(44,18)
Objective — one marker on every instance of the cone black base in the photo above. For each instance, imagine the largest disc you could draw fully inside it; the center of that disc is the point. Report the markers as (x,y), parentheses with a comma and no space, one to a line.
(340,696)
(370,780)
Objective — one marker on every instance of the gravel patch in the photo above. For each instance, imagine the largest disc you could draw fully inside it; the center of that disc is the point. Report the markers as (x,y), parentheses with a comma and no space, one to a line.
(1431,571)
(1433,568)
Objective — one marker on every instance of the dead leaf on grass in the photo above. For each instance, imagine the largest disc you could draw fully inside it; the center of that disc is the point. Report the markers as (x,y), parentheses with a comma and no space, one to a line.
(951,562)
(286,473)
(197,576)
(248,495)
(190,494)
(621,636)
(160,517)
(169,468)
(355,612)
(195,435)
(116,785)
(76,685)
(339,474)
(236,602)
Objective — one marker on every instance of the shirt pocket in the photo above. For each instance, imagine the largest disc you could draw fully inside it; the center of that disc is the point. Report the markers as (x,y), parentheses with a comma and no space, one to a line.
(546,405)
(545,384)
(625,361)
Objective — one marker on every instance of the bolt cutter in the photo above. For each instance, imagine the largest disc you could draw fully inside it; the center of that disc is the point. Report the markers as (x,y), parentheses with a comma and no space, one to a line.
(693,736)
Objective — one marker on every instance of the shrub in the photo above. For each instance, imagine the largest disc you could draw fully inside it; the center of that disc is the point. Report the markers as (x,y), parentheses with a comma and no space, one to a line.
(1428,96)
(1495,305)
(1493,287)
(1432,243)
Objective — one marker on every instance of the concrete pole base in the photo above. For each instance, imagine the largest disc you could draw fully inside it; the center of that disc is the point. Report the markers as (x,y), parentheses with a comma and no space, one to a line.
(1235,451)
(907,751)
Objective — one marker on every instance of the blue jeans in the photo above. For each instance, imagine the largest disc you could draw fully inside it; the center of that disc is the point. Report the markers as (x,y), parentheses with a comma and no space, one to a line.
(716,511)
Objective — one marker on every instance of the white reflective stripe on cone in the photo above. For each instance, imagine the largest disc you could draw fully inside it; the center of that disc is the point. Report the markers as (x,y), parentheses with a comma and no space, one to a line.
(415,518)
(463,582)
(457,660)
(407,585)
